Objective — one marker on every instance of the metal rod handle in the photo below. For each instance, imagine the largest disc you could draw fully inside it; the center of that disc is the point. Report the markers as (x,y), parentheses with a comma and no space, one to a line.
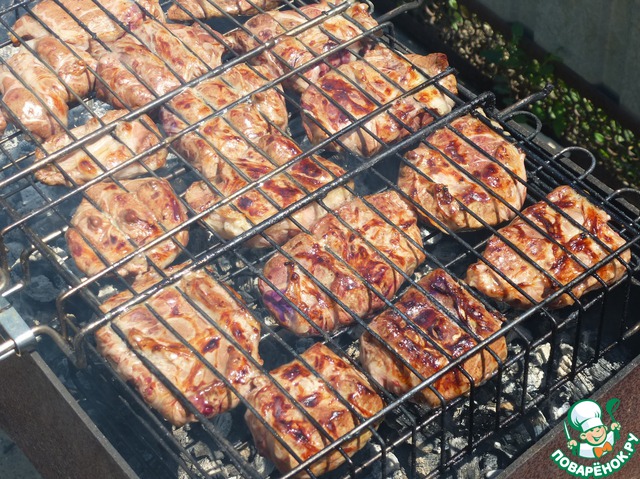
(7,349)
(21,337)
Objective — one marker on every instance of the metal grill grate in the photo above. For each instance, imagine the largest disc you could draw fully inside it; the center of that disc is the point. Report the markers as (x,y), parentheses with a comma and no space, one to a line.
(37,217)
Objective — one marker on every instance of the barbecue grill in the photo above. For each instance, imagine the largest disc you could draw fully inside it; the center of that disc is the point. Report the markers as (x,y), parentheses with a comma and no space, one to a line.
(49,305)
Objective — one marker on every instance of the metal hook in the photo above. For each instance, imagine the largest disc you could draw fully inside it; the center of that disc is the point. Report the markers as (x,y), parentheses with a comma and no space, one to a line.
(588,170)
(534,97)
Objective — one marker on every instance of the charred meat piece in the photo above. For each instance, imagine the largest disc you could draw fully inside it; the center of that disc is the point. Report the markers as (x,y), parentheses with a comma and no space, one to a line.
(255,206)
(216,311)
(128,139)
(88,17)
(291,51)
(384,75)
(148,79)
(563,248)
(31,84)
(185,10)
(337,413)
(189,51)
(434,321)
(359,240)
(490,175)
(123,220)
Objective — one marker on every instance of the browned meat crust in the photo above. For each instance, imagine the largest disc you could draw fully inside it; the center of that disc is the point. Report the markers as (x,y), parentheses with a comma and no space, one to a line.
(219,311)
(384,75)
(255,206)
(440,188)
(189,50)
(291,52)
(185,10)
(556,250)
(415,342)
(336,414)
(91,14)
(29,86)
(338,256)
(128,139)
(122,221)
(158,59)
(148,79)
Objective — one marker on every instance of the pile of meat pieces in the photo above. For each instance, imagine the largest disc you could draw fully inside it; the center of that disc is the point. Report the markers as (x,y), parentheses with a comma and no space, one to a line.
(191,349)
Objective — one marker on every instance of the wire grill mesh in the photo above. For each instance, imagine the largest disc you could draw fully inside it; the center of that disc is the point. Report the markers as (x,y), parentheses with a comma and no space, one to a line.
(38,216)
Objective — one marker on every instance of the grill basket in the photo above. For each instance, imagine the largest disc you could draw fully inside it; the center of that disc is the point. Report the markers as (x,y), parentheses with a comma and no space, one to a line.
(547,349)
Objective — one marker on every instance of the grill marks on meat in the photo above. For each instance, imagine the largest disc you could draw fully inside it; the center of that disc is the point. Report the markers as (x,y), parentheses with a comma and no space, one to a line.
(337,413)
(433,321)
(201,329)
(148,79)
(124,220)
(384,76)
(189,51)
(128,139)
(238,148)
(485,185)
(87,18)
(214,94)
(32,88)
(135,72)
(186,10)
(290,52)
(302,178)
(557,250)
(338,256)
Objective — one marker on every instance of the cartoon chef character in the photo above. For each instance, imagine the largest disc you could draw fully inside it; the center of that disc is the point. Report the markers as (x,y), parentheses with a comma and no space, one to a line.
(597,440)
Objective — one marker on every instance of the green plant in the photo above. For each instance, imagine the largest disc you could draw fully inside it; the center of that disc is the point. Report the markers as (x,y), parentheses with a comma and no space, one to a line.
(515,74)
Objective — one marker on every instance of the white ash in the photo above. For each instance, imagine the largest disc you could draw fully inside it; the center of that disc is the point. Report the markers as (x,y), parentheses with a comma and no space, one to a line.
(390,467)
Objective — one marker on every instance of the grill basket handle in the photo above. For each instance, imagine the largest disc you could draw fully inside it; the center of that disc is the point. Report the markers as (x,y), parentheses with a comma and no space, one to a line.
(21,337)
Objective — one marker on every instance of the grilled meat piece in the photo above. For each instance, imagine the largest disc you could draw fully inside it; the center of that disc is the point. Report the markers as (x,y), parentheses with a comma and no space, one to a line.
(218,311)
(34,95)
(30,84)
(482,182)
(189,51)
(253,207)
(72,65)
(148,79)
(87,18)
(291,52)
(124,220)
(560,249)
(222,134)
(186,10)
(435,321)
(384,75)
(355,242)
(128,139)
(337,414)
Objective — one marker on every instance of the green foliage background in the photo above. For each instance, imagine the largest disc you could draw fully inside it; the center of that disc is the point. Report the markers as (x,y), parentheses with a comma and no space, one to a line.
(573,118)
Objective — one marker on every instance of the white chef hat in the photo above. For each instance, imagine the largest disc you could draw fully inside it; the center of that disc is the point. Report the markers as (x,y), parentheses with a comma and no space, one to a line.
(585,415)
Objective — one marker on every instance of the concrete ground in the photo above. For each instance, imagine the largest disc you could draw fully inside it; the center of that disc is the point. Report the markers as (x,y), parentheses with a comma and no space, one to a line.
(13,463)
